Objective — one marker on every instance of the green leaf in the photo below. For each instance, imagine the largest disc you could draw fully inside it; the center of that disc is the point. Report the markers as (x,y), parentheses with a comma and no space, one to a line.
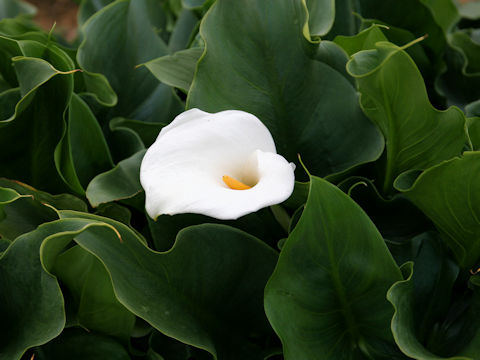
(97,309)
(13,8)
(122,182)
(59,201)
(31,303)
(346,20)
(77,344)
(448,194)
(176,70)
(185,28)
(97,86)
(29,136)
(131,40)
(261,224)
(378,31)
(147,132)
(460,83)
(266,68)
(8,195)
(89,7)
(473,126)
(417,135)
(333,267)
(364,40)
(321,15)
(82,152)
(116,212)
(430,299)
(196,4)
(125,141)
(396,218)
(23,215)
(30,207)
(464,43)
(299,196)
(418,16)
(22,28)
(401,295)
(206,291)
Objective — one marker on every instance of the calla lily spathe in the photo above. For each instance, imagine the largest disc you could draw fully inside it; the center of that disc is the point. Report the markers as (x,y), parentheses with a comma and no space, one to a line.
(223,165)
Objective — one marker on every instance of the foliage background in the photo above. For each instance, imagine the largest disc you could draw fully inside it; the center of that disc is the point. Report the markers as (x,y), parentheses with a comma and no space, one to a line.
(375,254)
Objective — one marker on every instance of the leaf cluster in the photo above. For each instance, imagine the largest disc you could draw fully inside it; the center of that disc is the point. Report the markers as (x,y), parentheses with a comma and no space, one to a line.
(376,255)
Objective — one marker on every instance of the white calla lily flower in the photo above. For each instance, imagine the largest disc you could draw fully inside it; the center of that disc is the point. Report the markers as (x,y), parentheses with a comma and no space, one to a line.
(223,165)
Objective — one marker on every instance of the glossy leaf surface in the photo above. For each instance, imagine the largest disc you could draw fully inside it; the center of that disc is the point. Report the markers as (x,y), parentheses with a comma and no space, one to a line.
(417,135)
(333,265)
(283,86)
(447,194)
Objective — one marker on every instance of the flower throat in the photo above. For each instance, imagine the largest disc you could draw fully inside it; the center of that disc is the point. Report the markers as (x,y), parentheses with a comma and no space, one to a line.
(234,183)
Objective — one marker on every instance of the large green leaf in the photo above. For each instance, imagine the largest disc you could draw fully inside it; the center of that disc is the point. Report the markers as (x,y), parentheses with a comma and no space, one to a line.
(82,152)
(450,196)
(97,308)
(258,60)
(206,291)
(334,269)
(116,39)
(461,81)
(426,320)
(402,296)
(31,303)
(417,135)
(29,136)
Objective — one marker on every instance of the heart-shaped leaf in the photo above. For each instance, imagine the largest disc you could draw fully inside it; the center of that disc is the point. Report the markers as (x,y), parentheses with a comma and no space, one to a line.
(131,40)
(333,266)
(211,282)
(402,297)
(267,67)
(417,135)
(31,303)
(450,196)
